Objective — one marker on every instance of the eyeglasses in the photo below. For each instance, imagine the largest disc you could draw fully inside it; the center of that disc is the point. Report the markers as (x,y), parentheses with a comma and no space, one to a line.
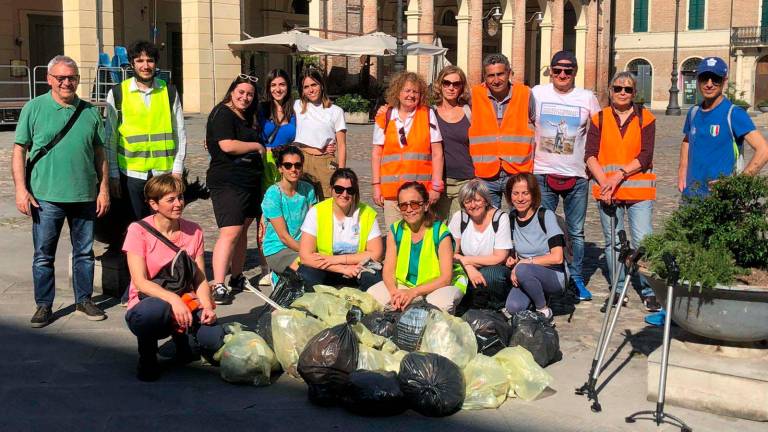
(454,84)
(627,90)
(338,190)
(403,140)
(250,78)
(61,78)
(469,201)
(414,205)
(558,71)
(288,165)
(716,79)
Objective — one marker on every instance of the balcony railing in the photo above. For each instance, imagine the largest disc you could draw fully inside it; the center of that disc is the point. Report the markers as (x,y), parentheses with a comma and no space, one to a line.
(749,36)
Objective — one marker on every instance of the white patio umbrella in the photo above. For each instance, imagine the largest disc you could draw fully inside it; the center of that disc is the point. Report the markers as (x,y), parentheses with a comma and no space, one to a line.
(438,62)
(374,44)
(288,42)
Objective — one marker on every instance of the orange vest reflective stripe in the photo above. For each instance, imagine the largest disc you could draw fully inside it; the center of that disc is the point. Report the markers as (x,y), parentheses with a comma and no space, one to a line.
(410,163)
(509,146)
(617,151)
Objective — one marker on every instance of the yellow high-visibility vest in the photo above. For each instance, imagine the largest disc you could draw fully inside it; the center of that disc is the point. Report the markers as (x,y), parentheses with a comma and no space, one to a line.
(146,133)
(325,226)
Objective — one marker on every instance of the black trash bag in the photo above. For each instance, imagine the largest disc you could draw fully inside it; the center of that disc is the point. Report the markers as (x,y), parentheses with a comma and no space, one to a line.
(491,328)
(382,323)
(564,302)
(432,384)
(263,327)
(288,288)
(536,334)
(374,394)
(327,361)
(410,326)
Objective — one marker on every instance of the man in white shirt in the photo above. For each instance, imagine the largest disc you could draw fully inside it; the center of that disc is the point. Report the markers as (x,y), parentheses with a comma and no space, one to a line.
(562,117)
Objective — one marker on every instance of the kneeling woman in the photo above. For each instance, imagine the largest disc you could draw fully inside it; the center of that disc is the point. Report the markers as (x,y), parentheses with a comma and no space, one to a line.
(419,257)
(537,266)
(340,236)
(155,312)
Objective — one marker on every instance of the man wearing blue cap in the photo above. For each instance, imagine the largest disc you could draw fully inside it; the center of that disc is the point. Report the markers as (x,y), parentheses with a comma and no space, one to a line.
(715,132)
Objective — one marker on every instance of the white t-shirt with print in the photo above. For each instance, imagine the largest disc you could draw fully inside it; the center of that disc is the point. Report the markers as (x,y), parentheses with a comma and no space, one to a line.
(318,126)
(434,129)
(346,233)
(481,243)
(561,130)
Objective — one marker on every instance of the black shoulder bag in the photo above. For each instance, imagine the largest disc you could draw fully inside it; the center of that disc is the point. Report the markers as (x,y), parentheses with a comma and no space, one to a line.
(178,275)
(32,161)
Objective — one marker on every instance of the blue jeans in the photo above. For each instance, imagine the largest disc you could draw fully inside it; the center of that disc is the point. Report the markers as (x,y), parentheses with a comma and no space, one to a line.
(46,228)
(496,188)
(640,215)
(575,209)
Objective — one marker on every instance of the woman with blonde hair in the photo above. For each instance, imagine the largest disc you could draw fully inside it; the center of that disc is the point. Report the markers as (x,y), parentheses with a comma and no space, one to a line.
(453,115)
(407,145)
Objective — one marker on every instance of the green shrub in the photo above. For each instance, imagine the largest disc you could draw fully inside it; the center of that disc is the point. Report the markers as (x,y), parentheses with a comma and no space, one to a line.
(718,237)
(353,103)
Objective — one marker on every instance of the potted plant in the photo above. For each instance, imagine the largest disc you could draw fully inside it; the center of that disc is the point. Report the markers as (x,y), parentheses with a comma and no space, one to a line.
(763,105)
(355,108)
(721,245)
(736,96)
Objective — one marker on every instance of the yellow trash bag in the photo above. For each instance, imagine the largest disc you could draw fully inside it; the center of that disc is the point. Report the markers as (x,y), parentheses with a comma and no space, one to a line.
(374,360)
(372,340)
(291,330)
(353,296)
(487,383)
(526,378)
(245,358)
(330,309)
(450,337)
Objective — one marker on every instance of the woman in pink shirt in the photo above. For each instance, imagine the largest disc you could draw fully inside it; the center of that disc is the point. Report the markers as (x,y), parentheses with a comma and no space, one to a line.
(155,312)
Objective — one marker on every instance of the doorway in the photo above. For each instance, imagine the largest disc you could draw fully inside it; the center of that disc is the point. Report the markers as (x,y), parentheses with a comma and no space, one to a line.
(761,80)
(46,40)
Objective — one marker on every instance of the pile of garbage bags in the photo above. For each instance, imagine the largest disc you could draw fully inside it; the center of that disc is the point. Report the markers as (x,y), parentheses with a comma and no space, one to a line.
(375,362)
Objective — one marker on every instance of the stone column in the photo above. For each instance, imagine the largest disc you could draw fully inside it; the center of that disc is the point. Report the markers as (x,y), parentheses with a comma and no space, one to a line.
(507,23)
(427,36)
(558,14)
(412,16)
(315,17)
(462,42)
(581,53)
(475,72)
(82,32)
(533,43)
(545,54)
(209,64)
(604,44)
(590,67)
(739,70)
(518,41)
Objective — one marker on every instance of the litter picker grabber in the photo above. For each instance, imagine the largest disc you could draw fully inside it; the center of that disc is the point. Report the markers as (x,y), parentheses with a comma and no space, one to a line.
(658,415)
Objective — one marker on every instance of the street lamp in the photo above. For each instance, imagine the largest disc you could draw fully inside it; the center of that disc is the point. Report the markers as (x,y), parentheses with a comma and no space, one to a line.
(400,52)
(673,108)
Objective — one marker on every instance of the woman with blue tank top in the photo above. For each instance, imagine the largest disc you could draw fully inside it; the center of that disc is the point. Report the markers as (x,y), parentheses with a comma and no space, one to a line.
(537,262)
(277,121)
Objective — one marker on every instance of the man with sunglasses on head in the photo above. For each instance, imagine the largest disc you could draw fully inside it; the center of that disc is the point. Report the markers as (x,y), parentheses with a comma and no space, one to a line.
(64,178)
(145,129)
(563,112)
(715,132)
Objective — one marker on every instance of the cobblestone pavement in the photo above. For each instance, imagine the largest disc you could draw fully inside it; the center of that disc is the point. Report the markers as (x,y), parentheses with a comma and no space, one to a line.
(94,360)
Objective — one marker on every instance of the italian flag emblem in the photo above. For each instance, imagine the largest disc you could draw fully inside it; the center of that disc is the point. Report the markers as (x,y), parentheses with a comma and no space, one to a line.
(714,130)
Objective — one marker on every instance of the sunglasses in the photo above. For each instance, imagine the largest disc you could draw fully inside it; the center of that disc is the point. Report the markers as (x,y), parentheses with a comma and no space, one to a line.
(288,165)
(716,79)
(403,140)
(558,71)
(250,78)
(627,90)
(454,84)
(338,190)
(414,205)
(61,78)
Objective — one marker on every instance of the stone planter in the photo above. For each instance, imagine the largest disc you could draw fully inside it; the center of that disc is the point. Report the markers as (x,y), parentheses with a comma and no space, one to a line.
(736,313)
(763,108)
(356,118)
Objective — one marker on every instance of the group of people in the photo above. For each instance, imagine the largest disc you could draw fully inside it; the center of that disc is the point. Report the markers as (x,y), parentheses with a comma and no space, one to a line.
(439,172)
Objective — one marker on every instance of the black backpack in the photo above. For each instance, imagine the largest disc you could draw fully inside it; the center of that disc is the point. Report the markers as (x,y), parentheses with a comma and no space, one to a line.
(494,221)
(540,214)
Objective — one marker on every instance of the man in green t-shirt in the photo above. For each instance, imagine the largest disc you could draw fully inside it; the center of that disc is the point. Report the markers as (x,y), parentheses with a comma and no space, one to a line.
(69,183)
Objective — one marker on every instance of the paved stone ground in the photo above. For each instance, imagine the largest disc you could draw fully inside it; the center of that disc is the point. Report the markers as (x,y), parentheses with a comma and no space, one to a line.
(78,375)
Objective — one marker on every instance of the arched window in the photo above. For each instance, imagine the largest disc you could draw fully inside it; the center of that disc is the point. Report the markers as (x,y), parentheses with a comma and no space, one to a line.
(691,95)
(449,18)
(644,73)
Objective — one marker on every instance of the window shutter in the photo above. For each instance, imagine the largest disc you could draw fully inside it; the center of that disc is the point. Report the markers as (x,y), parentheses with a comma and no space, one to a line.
(696,14)
(640,16)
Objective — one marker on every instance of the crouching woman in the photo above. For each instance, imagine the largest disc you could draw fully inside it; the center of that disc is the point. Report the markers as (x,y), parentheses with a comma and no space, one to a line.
(341,242)
(161,303)
(419,257)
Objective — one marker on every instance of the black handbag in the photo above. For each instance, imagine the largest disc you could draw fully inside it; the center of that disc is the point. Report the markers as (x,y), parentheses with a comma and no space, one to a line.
(179,274)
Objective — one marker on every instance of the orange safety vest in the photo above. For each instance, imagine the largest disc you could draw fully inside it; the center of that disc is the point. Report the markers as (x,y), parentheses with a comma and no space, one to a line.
(509,146)
(410,163)
(617,151)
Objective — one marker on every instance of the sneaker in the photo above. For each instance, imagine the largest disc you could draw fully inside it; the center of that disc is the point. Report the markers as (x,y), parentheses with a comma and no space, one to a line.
(546,312)
(90,310)
(656,319)
(651,304)
(42,317)
(615,302)
(266,280)
(148,370)
(584,294)
(221,294)
(240,283)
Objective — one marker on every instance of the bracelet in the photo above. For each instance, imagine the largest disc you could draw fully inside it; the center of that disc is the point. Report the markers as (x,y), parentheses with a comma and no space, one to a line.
(624,173)
(375,183)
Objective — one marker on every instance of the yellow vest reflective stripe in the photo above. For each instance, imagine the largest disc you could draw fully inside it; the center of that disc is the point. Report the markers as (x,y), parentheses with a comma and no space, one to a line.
(429,264)
(146,133)
(367,217)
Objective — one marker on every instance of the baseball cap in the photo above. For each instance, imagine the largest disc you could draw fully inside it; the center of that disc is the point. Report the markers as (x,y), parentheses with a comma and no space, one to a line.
(714,65)
(561,56)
